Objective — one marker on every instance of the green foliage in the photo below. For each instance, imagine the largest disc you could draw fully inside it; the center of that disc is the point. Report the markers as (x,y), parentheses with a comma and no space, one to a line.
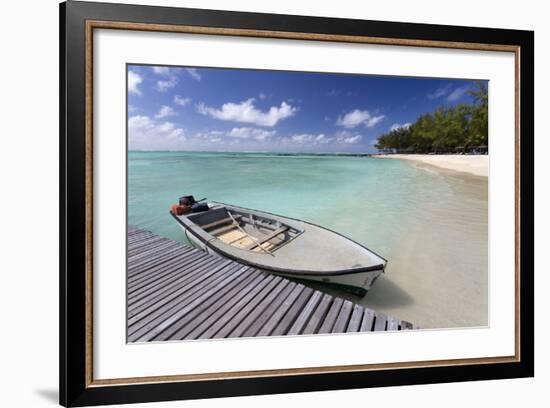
(444,131)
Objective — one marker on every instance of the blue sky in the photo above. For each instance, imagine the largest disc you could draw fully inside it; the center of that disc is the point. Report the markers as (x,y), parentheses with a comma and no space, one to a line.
(211,109)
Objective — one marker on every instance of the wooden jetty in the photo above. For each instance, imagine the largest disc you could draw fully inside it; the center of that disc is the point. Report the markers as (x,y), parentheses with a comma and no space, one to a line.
(176,292)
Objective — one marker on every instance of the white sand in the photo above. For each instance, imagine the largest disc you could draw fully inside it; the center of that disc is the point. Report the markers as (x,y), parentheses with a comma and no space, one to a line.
(477,165)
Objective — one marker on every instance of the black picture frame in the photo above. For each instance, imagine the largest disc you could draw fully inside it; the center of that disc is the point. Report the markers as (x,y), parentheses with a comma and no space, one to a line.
(76,389)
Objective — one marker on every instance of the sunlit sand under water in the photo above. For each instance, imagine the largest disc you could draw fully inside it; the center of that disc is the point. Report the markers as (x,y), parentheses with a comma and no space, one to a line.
(437,274)
(430,224)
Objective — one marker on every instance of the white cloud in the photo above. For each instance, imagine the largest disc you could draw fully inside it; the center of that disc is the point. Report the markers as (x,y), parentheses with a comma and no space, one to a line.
(145,133)
(352,139)
(440,92)
(164,84)
(343,137)
(321,138)
(457,94)
(178,100)
(302,138)
(450,94)
(246,112)
(396,126)
(194,73)
(357,117)
(134,80)
(162,71)
(210,136)
(164,112)
(170,80)
(262,95)
(251,133)
(347,137)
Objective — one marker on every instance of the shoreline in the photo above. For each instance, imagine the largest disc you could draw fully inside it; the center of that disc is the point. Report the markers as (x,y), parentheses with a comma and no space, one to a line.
(477,165)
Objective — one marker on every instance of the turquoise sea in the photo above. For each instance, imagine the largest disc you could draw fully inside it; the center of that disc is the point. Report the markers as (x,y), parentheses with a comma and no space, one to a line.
(430,225)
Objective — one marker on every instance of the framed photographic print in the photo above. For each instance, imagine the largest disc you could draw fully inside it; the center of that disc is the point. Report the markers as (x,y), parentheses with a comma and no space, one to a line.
(255,203)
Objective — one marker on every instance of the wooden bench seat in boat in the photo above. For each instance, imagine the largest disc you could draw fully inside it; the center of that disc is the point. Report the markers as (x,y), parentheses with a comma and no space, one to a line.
(269,237)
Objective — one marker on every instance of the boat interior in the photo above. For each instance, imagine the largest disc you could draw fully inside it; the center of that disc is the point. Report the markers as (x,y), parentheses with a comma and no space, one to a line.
(244,230)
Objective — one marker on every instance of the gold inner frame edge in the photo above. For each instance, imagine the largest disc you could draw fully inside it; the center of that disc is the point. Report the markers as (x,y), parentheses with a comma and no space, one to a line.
(99,24)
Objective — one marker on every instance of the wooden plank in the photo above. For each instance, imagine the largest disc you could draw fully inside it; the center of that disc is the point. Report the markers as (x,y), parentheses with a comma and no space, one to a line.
(227,304)
(147,329)
(143,234)
(265,239)
(290,317)
(367,322)
(201,321)
(355,319)
(149,243)
(151,251)
(283,308)
(169,284)
(206,269)
(393,324)
(223,230)
(239,317)
(223,320)
(305,314)
(146,272)
(380,321)
(136,272)
(318,315)
(253,322)
(146,242)
(164,328)
(140,251)
(140,238)
(263,316)
(137,235)
(161,305)
(180,327)
(153,254)
(161,257)
(140,247)
(342,320)
(151,292)
(157,271)
(332,314)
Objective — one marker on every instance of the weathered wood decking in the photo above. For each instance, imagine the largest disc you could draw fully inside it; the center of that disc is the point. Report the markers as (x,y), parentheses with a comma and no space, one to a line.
(176,292)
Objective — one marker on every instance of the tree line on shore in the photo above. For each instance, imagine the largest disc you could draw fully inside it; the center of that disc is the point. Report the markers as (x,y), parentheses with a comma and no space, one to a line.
(447,130)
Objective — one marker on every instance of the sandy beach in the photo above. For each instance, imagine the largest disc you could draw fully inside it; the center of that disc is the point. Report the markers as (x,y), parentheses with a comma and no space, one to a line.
(477,165)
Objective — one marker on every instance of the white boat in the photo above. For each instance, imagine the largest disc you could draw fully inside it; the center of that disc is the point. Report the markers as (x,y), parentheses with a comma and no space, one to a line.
(282,245)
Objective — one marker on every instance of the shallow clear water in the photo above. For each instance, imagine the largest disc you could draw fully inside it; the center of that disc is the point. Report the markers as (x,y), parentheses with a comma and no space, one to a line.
(430,225)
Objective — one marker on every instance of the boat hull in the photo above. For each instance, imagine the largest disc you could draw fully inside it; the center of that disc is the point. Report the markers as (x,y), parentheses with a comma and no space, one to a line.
(357,283)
